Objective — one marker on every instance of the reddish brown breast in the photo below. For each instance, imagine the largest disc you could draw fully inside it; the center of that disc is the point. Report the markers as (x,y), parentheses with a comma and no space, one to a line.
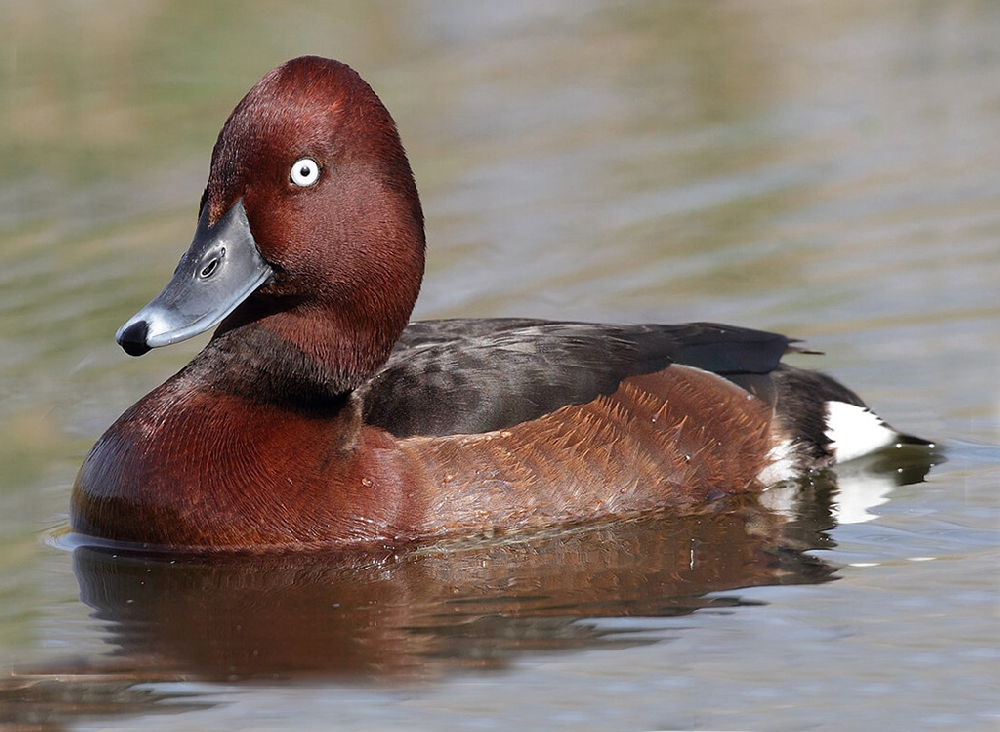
(214,471)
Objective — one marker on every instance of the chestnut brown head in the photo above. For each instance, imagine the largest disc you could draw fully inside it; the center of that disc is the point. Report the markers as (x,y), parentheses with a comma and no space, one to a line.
(310,225)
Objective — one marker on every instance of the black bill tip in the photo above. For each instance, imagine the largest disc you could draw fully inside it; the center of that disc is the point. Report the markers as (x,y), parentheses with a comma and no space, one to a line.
(133,338)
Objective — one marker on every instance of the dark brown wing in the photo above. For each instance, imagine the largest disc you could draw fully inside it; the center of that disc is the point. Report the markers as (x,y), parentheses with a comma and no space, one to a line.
(471,376)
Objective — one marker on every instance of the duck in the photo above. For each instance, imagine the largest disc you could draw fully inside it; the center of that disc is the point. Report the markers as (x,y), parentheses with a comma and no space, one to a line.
(318,415)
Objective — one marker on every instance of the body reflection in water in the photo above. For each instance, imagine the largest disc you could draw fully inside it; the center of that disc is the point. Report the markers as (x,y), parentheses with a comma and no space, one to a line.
(414,614)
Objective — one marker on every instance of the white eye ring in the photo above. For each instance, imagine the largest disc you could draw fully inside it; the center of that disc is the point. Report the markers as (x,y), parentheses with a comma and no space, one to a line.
(305,172)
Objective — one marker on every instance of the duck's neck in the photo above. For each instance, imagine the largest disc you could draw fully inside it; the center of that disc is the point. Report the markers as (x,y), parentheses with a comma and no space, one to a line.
(303,359)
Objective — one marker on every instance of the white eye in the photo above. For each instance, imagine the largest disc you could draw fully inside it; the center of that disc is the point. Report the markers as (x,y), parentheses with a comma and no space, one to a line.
(305,172)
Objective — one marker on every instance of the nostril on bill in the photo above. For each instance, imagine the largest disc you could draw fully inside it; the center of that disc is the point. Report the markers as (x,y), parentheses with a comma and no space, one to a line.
(209,269)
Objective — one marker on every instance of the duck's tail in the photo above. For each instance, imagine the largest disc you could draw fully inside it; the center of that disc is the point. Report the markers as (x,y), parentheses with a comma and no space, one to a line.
(827,423)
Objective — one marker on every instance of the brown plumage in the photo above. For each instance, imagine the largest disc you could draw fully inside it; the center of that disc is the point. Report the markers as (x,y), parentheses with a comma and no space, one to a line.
(316,416)
(635,450)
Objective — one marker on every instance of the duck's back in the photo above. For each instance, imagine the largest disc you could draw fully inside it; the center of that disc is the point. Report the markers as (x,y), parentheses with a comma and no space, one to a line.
(450,377)
(469,377)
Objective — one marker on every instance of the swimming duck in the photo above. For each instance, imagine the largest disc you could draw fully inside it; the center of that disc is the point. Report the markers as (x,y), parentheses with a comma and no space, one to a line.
(318,416)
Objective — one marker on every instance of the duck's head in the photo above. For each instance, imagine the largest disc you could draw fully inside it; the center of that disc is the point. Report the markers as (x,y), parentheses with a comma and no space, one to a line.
(309,227)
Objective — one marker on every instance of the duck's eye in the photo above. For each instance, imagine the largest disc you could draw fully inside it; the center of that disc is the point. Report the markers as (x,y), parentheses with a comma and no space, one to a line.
(305,172)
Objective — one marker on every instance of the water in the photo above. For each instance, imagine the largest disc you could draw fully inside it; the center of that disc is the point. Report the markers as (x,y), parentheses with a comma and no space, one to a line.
(827,170)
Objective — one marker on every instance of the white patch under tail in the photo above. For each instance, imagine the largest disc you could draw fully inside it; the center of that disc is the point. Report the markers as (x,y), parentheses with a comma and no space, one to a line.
(854,431)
